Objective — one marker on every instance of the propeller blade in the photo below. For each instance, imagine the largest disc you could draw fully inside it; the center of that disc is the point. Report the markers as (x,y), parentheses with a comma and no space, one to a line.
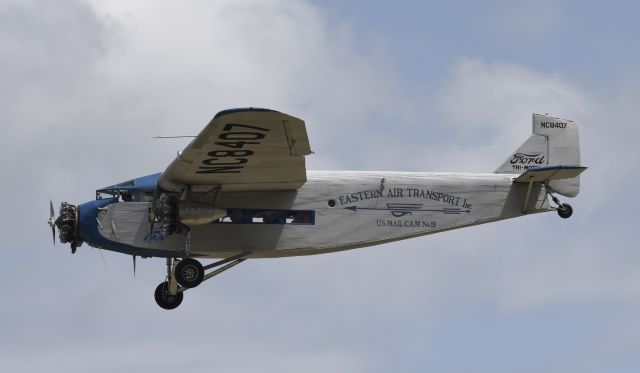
(134,266)
(52,221)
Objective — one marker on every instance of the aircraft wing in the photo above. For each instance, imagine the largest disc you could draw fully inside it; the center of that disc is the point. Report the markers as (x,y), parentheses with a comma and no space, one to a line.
(549,173)
(242,150)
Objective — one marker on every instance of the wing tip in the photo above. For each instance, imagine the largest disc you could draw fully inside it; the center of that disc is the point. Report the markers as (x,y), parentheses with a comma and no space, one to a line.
(244,110)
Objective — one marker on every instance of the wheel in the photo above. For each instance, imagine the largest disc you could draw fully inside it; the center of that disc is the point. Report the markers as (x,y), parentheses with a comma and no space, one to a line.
(165,299)
(189,273)
(565,210)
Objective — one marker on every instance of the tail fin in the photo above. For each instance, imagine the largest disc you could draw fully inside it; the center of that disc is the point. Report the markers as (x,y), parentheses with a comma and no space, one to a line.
(554,142)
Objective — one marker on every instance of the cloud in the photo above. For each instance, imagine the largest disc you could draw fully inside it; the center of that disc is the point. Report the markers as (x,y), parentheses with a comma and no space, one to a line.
(90,94)
(472,120)
(88,83)
(489,106)
(529,20)
(186,62)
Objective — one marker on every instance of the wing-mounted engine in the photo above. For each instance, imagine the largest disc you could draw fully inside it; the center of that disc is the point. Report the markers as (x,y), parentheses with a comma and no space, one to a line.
(166,212)
(176,215)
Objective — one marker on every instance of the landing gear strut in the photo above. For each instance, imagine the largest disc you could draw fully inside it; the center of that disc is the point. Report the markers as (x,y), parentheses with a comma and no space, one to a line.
(189,273)
(564,209)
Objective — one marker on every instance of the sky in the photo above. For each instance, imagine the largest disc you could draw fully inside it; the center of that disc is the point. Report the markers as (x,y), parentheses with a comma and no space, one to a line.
(413,86)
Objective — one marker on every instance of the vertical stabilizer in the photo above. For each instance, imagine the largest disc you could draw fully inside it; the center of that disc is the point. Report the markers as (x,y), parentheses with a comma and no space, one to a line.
(554,142)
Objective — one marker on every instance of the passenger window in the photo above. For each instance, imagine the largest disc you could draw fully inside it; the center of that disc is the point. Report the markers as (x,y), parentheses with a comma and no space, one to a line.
(246,216)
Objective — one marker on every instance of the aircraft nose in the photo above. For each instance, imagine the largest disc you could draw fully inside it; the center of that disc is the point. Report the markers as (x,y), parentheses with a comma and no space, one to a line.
(67,224)
(88,223)
(88,213)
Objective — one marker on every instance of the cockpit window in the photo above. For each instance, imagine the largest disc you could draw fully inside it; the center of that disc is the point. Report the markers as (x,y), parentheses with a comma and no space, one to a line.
(132,195)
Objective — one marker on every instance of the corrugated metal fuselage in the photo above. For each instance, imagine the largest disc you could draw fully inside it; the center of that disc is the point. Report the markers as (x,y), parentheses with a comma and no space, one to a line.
(348,210)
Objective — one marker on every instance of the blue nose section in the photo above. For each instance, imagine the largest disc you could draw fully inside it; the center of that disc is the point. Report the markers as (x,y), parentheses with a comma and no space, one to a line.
(89,232)
(88,224)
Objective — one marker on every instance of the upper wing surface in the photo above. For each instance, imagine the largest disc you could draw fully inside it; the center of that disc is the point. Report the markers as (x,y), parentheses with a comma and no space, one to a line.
(243,150)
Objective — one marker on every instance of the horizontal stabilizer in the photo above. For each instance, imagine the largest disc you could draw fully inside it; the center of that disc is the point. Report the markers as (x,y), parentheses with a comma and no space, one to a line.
(549,173)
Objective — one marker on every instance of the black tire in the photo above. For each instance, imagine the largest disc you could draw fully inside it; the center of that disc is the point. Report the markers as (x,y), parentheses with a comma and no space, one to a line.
(565,210)
(165,299)
(189,273)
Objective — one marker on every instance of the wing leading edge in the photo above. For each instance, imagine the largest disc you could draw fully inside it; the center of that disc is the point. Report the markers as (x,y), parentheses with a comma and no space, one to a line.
(242,150)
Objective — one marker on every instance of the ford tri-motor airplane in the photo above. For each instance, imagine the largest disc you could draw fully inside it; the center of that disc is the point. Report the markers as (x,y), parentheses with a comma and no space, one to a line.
(240,190)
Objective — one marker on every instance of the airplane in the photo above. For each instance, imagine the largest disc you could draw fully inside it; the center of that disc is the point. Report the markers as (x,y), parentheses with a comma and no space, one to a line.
(240,190)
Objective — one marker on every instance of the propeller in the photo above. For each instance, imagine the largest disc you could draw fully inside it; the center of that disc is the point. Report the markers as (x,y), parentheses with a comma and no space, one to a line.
(52,221)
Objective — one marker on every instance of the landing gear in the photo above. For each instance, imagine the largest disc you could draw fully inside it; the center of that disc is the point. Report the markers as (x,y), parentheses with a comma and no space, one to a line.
(189,273)
(565,210)
(165,299)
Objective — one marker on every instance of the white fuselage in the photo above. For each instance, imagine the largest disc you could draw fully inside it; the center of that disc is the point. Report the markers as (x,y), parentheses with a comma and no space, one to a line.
(345,210)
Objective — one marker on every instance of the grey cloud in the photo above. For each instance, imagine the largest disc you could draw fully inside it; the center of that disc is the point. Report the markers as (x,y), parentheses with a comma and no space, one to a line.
(90,84)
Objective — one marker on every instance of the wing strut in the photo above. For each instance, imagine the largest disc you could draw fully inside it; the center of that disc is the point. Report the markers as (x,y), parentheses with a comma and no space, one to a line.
(526,198)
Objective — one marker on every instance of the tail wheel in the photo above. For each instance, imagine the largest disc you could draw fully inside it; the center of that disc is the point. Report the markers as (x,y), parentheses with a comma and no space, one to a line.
(565,210)
(165,299)
(189,273)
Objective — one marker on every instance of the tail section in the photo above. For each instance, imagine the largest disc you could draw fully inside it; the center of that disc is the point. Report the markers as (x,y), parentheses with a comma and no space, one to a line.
(554,142)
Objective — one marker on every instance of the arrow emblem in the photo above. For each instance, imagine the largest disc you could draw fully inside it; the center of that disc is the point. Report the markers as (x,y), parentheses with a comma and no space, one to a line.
(402,209)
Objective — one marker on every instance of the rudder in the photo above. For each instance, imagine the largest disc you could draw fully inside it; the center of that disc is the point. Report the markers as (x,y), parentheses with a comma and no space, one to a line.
(554,141)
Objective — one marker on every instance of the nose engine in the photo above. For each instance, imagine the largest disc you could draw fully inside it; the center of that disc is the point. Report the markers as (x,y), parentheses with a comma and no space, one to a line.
(67,224)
